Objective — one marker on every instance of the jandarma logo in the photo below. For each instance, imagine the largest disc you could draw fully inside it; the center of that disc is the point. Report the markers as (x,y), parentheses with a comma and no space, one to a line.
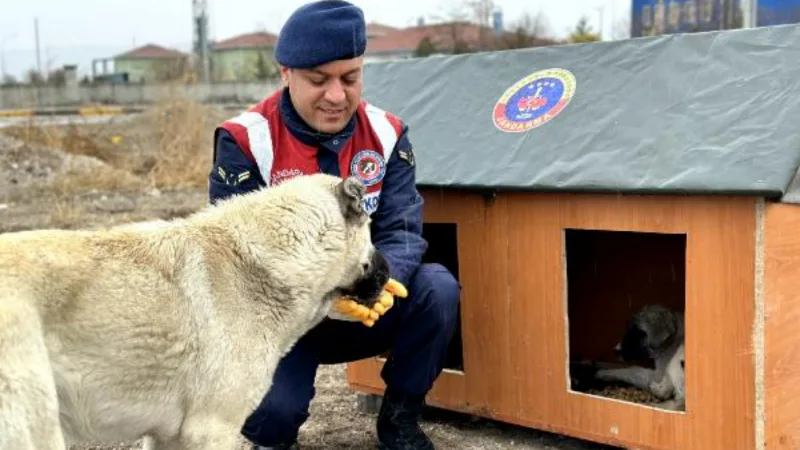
(534,100)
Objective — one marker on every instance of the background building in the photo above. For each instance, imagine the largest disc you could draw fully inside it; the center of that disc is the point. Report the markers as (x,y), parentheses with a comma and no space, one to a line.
(247,57)
(151,63)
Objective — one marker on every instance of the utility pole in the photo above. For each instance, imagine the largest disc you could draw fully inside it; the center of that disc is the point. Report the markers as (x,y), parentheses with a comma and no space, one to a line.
(600,9)
(38,52)
(200,27)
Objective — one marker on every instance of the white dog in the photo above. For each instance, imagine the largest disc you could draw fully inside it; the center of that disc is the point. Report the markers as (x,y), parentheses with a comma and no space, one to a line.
(170,330)
(657,333)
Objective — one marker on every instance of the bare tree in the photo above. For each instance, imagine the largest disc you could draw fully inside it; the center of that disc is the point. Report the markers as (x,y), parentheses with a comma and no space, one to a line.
(468,25)
(34,77)
(482,17)
(583,32)
(530,30)
(455,19)
(57,77)
(9,80)
(455,11)
(425,48)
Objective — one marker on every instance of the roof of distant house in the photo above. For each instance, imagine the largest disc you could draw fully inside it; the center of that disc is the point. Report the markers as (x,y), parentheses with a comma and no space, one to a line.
(376,30)
(151,51)
(441,35)
(247,40)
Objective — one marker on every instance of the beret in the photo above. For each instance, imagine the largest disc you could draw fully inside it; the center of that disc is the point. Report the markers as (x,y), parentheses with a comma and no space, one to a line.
(320,32)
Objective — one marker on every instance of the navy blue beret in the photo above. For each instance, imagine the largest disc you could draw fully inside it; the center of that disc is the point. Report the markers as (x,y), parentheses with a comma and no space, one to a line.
(320,32)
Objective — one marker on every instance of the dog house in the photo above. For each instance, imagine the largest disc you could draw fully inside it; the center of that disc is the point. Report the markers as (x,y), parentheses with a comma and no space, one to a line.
(568,186)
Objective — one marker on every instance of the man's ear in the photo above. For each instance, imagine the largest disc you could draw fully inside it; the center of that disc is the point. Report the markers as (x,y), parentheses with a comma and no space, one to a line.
(284,75)
(350,193)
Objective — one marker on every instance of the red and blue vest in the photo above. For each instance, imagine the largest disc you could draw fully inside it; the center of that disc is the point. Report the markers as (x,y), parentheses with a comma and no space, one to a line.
(265,140)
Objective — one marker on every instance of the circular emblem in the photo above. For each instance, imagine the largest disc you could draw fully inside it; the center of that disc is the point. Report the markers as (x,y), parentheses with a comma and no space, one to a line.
(368,166)
(534,100)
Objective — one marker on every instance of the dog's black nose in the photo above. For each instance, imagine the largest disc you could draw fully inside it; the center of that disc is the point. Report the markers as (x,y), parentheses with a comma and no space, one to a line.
(376,275)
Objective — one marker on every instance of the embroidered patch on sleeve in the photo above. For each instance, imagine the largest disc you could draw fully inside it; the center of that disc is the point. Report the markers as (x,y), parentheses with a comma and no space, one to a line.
(407,156)
(232,178)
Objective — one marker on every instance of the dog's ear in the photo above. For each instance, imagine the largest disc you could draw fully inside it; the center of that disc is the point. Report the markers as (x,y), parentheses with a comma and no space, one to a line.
(350,193)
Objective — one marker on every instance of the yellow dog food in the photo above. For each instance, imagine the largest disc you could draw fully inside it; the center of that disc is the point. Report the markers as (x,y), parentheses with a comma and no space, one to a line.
(366,315)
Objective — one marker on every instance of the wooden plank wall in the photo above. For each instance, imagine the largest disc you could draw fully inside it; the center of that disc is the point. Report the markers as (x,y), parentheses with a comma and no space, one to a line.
(782,326)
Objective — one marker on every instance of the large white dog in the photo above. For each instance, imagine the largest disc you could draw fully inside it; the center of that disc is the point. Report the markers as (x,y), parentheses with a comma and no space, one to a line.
(170,329)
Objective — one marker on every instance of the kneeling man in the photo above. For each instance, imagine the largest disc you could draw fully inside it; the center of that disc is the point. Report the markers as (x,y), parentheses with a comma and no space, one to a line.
(318,122)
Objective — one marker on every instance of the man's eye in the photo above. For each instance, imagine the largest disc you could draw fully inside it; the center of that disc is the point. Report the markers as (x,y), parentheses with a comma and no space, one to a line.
(317,82)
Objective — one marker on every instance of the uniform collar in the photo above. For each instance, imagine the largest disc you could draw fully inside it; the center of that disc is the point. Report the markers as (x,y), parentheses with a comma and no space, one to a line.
(300,129)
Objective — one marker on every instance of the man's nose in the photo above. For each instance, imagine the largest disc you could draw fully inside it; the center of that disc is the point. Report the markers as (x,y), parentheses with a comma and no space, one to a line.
(335,93)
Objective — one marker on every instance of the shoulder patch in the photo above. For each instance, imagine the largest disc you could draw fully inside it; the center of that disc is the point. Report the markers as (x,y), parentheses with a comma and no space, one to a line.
(232,178)
(407,155)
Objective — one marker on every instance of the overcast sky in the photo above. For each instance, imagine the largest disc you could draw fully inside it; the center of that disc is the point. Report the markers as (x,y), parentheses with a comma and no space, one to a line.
(76,31)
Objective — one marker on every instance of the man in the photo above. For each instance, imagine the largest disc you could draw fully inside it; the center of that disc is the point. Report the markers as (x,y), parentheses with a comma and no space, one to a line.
(318,122)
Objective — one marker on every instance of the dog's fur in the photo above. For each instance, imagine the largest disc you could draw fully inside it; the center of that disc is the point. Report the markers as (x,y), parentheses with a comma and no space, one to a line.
(657,333)
(171,330)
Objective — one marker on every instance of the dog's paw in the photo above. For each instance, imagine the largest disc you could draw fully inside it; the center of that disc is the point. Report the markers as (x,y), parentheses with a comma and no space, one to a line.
(661,390)
(582,376)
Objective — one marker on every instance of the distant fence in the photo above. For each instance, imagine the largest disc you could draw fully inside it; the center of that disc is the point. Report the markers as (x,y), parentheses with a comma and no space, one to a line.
(74,95)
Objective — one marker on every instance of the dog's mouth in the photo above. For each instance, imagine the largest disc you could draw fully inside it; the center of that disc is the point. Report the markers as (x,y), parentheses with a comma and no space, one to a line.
(367,290)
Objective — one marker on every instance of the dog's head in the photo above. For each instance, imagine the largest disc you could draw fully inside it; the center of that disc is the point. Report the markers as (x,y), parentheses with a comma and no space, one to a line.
(648,333)
(366,270)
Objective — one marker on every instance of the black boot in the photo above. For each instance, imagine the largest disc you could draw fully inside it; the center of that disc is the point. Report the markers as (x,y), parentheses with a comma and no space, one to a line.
(398,423)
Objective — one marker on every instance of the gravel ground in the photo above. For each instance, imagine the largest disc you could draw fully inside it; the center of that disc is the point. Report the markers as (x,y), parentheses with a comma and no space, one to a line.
(30,198)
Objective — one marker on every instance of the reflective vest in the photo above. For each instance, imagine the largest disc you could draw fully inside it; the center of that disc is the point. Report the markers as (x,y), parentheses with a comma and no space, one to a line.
(265,140)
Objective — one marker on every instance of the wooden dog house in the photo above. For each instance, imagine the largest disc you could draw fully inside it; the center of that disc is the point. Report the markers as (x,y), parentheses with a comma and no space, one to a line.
(567,186)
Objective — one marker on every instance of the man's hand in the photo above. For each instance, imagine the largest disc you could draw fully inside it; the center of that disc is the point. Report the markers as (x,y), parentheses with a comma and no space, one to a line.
(368,316)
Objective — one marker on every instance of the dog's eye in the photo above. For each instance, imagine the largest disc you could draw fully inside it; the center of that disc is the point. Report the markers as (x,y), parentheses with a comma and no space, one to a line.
(365,267)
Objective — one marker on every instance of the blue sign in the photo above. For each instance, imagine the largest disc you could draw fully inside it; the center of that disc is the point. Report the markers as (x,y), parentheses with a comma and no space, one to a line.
(777,12)
(657,17)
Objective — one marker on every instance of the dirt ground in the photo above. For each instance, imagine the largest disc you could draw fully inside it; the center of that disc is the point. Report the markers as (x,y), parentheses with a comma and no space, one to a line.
(155,166)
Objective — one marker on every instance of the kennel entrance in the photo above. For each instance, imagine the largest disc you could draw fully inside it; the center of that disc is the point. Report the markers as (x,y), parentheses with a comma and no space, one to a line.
(610,276)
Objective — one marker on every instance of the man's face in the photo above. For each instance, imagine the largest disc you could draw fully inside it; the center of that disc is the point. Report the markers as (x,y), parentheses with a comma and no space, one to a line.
(326,96)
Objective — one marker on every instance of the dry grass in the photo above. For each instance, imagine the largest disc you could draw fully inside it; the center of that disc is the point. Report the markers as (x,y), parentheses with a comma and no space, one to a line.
(183,133)
(107,180)
(71,138)
(65,213)
(167,147)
